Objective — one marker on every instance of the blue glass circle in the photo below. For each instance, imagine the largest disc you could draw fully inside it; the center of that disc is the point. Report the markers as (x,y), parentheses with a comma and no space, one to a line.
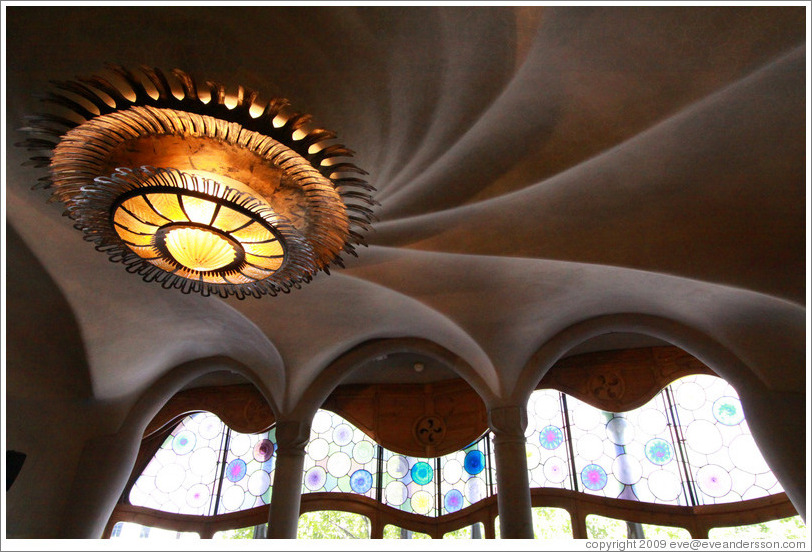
(235,470)
(551,437)
(658,451)
(184,442)
(453,501)
(361,481)
(728,411)
(422,474)
(474,462)
(594,477)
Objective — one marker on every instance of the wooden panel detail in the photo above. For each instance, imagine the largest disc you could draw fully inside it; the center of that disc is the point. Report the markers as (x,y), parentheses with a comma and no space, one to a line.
(441,417)
(419,420)
(241,407)
(617,381)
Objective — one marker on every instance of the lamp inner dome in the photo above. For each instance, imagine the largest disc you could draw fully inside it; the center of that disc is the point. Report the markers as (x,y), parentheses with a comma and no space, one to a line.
(199,249)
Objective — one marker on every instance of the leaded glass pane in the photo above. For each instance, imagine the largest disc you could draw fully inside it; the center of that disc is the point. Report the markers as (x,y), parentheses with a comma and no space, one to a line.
(409,483)
(249,471)
(464,477)
(627,455)
(595,453)
(726,464)
(645,460)
(181,476)
(339,457)
(546,444)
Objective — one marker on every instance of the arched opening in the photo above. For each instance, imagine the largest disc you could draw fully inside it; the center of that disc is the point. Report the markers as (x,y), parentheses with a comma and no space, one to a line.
(648,436)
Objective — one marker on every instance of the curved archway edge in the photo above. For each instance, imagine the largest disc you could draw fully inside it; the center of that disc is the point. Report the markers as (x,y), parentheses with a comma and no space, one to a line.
(107,460)
(786,457)
(351,359)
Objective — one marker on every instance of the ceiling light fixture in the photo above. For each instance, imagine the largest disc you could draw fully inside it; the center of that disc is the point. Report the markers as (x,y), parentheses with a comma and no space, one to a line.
(198,191)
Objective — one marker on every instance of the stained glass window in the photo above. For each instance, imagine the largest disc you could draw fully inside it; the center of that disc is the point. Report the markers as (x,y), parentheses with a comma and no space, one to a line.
(181,478)
(409,483)
(248,474)
(689,445)
(339,457)
(725,462)
(547,457)
(632,453)
(465,477)
(204,468)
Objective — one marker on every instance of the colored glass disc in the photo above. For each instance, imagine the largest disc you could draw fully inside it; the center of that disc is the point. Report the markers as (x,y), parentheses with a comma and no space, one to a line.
(422,473)
(361,481)
(263,450)
(236,470)
(594,477)
(658,451)
(551,437)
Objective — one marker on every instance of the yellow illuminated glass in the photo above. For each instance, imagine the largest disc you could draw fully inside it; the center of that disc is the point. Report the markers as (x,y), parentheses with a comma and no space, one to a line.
(255,273)
(125,219)
(138,207)
(253,233)
(146,252)
(199,249)
(228,220)
(237,278)
(270,249)
(168,206)
(264,262)
(199,210)
(133,238)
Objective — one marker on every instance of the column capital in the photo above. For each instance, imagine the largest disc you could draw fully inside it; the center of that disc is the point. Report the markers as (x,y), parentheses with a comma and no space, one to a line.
(292,436)
(508,422)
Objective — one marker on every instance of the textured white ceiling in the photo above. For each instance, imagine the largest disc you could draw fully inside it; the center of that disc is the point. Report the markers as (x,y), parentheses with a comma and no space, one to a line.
(537,168)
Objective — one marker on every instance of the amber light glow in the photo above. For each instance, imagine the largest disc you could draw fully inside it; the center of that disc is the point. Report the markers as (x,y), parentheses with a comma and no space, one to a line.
(205,236)
(197,189)
(199,249)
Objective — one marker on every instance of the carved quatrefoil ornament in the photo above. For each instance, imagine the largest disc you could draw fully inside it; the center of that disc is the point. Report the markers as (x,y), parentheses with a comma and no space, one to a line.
(430,430)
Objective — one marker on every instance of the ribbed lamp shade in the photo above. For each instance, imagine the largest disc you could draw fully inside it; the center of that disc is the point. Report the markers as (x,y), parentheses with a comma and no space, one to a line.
(199,195)
(199,249)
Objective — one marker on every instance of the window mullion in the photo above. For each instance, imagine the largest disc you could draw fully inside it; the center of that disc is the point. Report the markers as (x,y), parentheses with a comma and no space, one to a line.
(225,443)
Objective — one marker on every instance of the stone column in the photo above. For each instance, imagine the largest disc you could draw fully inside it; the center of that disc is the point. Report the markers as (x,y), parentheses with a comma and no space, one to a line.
(513,486)
(291,438)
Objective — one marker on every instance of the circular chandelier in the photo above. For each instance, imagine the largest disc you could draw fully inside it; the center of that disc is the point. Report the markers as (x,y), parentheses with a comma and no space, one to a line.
(196,190)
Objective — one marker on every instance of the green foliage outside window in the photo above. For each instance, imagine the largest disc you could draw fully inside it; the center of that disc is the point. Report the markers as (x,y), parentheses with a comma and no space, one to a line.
(548,523)
(243,533)
(787,528)
(395,532)
(599,527)
(328,524)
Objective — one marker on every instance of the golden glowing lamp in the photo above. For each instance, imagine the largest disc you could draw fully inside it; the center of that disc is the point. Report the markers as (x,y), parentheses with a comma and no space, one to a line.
(210,196)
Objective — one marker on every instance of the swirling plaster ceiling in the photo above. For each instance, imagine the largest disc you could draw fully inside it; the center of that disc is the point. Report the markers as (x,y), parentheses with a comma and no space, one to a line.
(537,168)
